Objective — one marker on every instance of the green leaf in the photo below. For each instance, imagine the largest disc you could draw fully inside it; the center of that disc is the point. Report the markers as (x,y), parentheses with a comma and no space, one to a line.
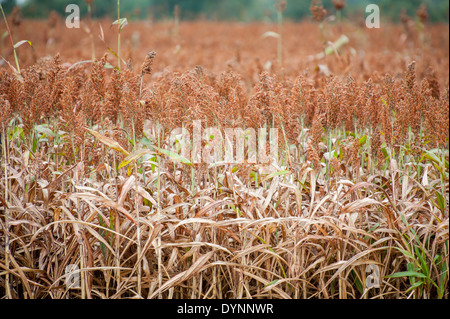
(43,129)
(174,156)
(154,159)
(16,132)
(422,260)
(417,284)
(434,158)
(268,177)
(407,274)
(35,145)
(134,157)
(441,201)
(385,152)
(363,141)
(146,142)
(443,275)
(431,156)
(358,283)
(375,228)
(406,253)
(272,282)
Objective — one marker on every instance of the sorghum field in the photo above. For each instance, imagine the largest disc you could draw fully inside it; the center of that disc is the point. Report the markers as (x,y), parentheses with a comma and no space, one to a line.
(354,205)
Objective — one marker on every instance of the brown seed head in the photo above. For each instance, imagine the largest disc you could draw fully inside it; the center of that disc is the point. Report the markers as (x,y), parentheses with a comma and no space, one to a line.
(313,156)
(434,83)
(411,75)
(16,15)
(336,167)
(147,65)
(339,4)
(404,17)
(53,19)
(422,13)
(5,110)
(318,10)
(281,5)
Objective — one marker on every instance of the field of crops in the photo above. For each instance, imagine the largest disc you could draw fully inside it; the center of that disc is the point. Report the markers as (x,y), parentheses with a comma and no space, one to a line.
(96,175)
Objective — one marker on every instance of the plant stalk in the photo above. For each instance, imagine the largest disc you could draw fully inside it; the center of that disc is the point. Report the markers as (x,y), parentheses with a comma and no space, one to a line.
(11,39)
(118,37)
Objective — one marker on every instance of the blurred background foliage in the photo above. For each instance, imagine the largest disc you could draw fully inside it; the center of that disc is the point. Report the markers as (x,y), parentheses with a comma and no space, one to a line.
(235,10)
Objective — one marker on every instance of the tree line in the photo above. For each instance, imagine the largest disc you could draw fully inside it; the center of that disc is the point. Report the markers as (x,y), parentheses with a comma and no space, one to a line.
(236,10)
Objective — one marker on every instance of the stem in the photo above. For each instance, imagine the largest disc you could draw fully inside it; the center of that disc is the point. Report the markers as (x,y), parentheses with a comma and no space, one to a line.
(329,145)
(176,21)
(7,248)
(280,39)
(339,19)
(138,233)
(140,89)
(118,37)
(443,179)
(89,12)
(304,138)
(322,33)
(288,151)
(118,51)
(134,133)
(371,164)
(11,39)
(159,252)
(90,32)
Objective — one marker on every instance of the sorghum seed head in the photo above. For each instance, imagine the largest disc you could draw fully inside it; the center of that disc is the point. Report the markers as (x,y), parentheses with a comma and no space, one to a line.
(281,5)
(16,16)
(318,10)
(339,4)
(422,13)
(411,75)
(147,65)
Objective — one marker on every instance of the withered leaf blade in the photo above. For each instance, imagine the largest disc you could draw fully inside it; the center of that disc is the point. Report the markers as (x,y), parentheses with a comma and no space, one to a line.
(108,142)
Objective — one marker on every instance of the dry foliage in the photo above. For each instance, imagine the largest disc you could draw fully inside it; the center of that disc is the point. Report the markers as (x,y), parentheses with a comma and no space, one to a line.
(362,178)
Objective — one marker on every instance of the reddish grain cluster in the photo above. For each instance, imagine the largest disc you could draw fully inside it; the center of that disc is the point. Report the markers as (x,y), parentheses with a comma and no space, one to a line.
(88,176)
